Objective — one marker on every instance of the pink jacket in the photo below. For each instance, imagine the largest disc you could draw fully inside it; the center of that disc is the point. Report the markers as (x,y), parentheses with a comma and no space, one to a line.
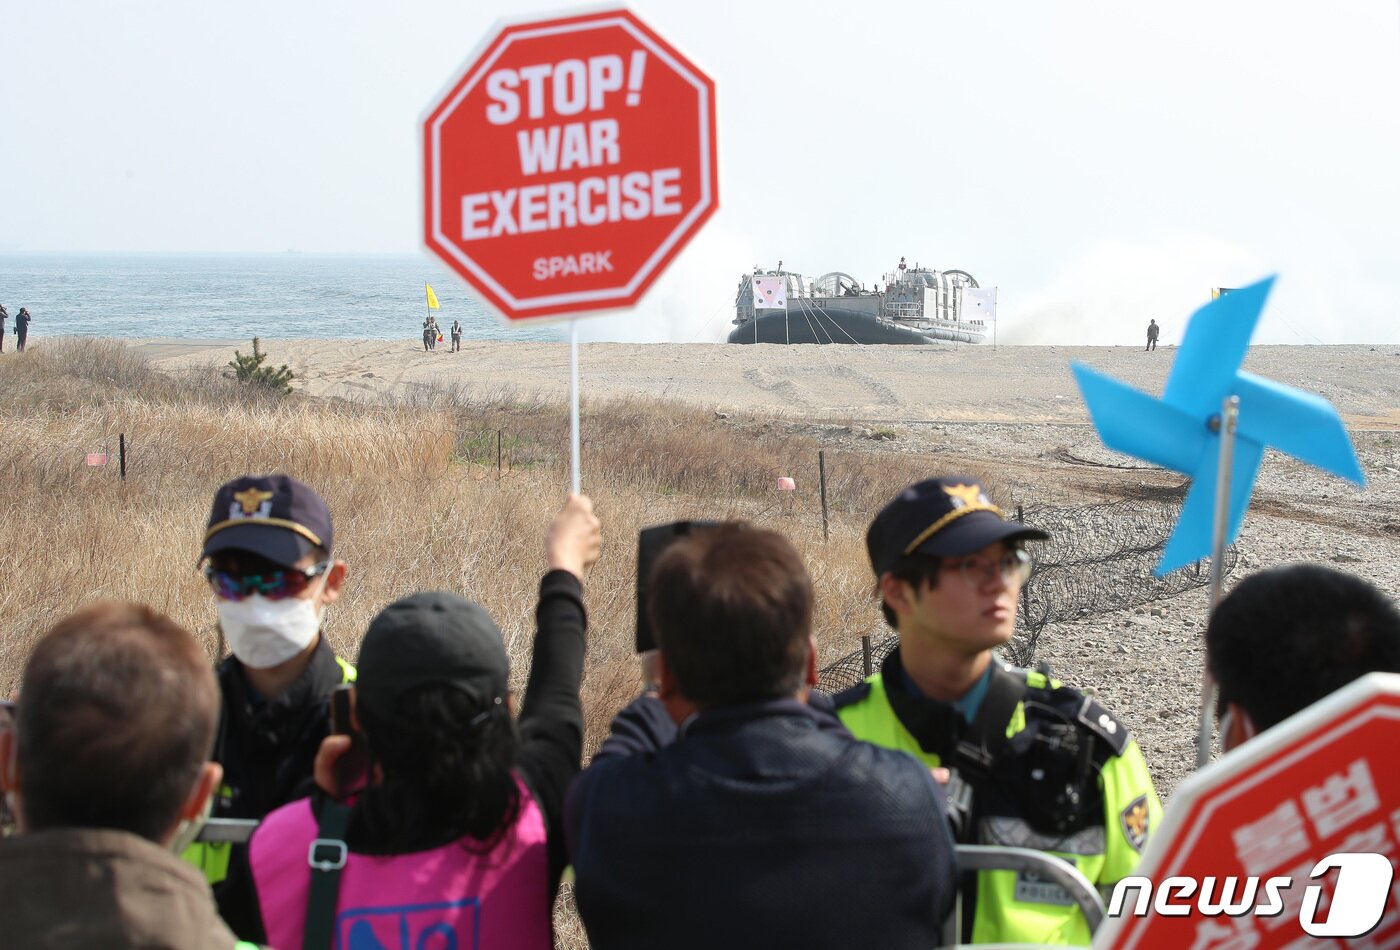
(451,896)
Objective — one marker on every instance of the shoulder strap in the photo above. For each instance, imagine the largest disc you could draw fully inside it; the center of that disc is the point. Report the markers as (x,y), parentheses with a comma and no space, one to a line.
(984,738)
(1103,724)
(326,856)
(1082,709)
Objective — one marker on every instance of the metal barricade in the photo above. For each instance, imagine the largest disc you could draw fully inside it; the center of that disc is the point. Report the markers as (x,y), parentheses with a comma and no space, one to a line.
(227,830)
(977,857)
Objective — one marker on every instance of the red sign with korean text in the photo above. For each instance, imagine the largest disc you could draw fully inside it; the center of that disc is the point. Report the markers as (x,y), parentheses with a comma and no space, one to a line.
(1291,840)
(568,163)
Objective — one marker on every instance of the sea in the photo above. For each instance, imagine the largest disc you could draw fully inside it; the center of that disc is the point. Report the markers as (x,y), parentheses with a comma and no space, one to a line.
(237,297)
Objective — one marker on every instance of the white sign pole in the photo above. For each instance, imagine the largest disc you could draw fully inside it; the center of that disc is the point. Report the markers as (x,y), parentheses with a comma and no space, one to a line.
(573,406)
(1229,419)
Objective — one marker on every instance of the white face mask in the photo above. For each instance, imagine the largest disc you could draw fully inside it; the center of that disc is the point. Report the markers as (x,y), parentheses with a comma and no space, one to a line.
(263,633)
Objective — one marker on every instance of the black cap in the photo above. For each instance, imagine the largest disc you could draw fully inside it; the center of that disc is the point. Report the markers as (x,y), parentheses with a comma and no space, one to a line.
(272,516)
(942,517)
(430,638)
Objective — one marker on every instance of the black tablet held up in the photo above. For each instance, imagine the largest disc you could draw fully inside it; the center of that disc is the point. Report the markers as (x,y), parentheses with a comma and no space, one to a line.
(650,543)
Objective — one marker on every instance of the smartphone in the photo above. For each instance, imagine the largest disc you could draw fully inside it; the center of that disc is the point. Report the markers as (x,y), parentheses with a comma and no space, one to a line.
(341,722)
(651,542)
(351,768)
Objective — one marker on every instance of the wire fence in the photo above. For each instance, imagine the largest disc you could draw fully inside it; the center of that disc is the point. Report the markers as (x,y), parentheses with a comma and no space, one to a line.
(1099,559)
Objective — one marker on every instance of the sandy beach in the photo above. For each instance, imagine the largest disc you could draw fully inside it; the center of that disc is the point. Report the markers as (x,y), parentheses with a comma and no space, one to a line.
(1008,384)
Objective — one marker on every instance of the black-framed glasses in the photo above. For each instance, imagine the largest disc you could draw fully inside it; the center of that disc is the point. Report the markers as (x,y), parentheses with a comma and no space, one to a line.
(274,585)
(1013,567)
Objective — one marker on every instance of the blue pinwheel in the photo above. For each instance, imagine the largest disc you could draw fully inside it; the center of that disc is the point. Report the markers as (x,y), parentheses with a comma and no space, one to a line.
(1181,431)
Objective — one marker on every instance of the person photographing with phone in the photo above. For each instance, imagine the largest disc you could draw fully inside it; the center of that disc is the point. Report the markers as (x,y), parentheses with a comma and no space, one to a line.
(268,558)
(449,832)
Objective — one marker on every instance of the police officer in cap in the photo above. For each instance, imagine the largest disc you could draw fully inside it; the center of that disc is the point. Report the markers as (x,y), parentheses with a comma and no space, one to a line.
(268,559)
(1033,763)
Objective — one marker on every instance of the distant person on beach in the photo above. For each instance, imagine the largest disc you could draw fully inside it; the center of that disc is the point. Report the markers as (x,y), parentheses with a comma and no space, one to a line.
(729,807)
(429,334)
(107,764)
(4,315)
(456,336)
(1152,329)
(456,807)
(21,328)
(1032,762)
(1287,637)
(272,574)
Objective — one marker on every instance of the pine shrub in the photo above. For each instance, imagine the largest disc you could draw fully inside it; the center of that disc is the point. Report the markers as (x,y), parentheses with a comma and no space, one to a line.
(250,369)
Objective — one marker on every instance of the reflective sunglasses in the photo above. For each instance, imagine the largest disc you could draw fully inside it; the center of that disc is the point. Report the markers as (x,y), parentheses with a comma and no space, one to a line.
(1013,567)
(274,585)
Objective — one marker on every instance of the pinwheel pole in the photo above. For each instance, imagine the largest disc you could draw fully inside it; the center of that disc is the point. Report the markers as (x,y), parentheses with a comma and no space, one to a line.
(1226,424)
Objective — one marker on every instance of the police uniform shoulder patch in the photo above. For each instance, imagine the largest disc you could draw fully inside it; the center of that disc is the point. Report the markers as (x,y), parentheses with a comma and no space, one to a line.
(1135,821)
(849,697)
(1103,724)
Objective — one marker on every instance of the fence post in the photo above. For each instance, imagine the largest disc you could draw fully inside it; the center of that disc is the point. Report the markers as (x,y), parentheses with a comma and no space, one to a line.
(866,659)
(121,453)
(821,476)
(1025,594)
(498,455)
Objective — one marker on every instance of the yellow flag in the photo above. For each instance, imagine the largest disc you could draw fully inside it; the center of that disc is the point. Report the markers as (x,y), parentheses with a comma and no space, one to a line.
(432,298)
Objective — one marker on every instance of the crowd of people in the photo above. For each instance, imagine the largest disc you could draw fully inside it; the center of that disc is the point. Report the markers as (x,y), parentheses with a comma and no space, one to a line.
(411,799)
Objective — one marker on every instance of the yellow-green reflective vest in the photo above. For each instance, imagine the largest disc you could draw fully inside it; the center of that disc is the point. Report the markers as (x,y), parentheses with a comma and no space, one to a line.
(1011,907)
(212,857)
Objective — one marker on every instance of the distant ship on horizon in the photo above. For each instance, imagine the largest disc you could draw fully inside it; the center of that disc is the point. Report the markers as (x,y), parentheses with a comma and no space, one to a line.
(917,305)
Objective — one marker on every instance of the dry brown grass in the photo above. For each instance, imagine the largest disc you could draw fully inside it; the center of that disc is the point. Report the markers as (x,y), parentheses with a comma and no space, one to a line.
(414,490)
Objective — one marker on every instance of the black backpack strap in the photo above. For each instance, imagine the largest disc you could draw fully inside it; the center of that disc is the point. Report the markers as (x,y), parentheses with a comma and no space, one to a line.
(985,737)
(326,856)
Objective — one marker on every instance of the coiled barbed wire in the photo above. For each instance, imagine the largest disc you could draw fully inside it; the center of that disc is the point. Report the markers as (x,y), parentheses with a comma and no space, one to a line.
(1099,559)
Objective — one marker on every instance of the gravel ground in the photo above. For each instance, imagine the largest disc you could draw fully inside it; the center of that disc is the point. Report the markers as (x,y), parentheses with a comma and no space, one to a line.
(1145,663)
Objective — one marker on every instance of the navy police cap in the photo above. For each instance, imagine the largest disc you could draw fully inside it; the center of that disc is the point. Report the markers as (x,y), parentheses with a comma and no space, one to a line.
(942,517)
(272,516)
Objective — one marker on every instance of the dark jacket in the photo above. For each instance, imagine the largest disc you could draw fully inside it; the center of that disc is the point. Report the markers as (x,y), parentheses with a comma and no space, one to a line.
(81,888)
(761,825)
(267,749)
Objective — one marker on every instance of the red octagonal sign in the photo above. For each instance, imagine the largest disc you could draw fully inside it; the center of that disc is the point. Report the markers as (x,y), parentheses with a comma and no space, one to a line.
(568,163)
(1290,841)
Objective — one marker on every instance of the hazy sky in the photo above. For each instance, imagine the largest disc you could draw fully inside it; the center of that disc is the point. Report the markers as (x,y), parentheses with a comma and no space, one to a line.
(1101,163)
